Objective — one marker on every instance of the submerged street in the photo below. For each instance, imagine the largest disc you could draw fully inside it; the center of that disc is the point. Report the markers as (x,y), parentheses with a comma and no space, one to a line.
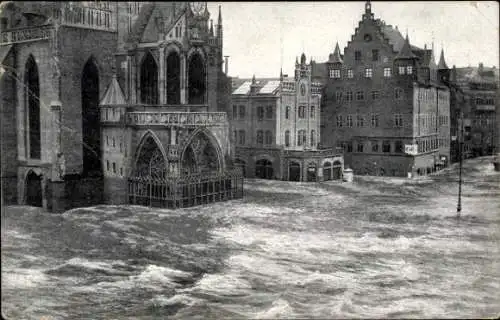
(377,248)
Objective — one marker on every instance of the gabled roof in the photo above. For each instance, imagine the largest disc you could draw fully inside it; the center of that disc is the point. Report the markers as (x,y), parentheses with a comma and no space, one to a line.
(114,95)
(141,23)
(395,38)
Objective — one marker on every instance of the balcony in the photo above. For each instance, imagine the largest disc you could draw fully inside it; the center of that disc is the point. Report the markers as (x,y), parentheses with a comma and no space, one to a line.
(182,119)
(26,35)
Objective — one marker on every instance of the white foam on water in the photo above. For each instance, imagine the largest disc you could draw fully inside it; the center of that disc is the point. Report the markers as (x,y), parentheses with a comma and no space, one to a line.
(285,187)
(221,285)
(20,278)
(280,308)
(178,299)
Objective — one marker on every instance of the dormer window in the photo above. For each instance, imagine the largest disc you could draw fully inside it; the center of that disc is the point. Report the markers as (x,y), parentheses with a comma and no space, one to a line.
(335,73)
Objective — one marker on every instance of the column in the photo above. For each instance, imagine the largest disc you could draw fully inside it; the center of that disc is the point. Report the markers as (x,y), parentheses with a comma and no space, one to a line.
(162,76)
(184,79)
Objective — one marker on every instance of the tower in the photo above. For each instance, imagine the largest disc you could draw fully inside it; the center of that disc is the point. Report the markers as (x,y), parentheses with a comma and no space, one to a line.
(443,70)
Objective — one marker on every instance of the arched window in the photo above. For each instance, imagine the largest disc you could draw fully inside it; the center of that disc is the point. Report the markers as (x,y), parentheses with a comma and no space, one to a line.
(241,135)
(301,138)
(260,137)
(312,112)
(196,77)
(173,78)
(91,131)
(149,80)
(287,112)
(264,169)
(269,137)
(313,138)
(287,138)
(32,94)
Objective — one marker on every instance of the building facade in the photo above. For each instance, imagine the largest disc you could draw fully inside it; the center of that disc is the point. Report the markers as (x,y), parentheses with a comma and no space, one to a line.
(138,118)
(275,127)
(480,84)
(384,103)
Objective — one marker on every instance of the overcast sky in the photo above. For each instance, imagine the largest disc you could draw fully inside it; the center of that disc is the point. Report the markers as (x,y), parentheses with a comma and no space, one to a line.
(260,37)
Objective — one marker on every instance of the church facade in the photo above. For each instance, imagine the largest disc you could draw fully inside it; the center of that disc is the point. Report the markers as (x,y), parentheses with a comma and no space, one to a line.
(106,102)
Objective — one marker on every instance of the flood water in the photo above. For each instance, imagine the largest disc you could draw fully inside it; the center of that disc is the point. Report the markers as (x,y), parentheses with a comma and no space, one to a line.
(376,248)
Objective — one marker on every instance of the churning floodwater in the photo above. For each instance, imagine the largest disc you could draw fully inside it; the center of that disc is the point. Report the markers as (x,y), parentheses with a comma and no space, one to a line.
(376,248)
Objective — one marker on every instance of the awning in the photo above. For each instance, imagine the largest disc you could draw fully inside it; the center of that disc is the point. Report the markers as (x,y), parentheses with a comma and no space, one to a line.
(4,51)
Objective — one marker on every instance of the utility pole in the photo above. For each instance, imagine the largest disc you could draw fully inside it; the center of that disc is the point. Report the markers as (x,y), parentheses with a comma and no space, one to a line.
(460,150)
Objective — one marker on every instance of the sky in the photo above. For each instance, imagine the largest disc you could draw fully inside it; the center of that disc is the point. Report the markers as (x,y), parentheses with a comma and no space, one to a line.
(260,37)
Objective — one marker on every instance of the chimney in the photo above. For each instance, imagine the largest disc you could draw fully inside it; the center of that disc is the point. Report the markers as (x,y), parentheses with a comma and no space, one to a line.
(226,64)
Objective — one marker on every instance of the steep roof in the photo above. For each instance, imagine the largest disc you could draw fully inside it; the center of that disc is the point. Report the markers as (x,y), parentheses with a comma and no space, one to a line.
(442,62)
(114,95)
(406,52)
(141,23)
(264,86)
(395,38)
(335,57)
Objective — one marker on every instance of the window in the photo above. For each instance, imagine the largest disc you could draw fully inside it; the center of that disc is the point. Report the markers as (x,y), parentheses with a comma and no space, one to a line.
(339,121)
(409,69)
(287,112)
(360,147)
(269,112)
(387,72)
(348,96)
(121,171)
(368,72)
(338,96)
(242,112)
(287,138)
(107,165)
(335,73)
(349,146)
(374,120)
(114,145)
(357,55)
(360,121)
(114,167)
(235,136)
(242,137)
(374,55)
(398,120)
(235,112)
(302,112)
(269,137)
(398,93)
(349,121)
(386,146)
(398,146)
(121,146)
(312,112)
(260,113)
(301,137)
(401,70)
(260,137)
(360,95)
(313,138)
(374,146)
(350,74)
(375,95)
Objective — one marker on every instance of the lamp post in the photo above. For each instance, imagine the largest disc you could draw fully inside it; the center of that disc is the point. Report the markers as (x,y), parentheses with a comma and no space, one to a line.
(460,151)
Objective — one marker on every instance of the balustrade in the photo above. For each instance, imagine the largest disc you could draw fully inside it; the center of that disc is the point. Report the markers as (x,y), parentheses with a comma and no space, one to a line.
(177,118)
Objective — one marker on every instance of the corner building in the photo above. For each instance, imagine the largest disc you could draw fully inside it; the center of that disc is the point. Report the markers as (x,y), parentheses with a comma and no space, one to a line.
(384,103)
(275,128)
(114,102)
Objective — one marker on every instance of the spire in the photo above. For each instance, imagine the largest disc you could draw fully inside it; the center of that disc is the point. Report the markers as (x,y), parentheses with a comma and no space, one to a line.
(442,63)
(335,57)
(303,58)
(405,52)
(281,74)
(253,80)
(368,7)
(219,20)
(296,60)
(211,27)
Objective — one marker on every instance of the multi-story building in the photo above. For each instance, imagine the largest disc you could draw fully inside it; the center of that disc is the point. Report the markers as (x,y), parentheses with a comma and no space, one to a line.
(481,85)
(116,102)
(385,104)
(275,125)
